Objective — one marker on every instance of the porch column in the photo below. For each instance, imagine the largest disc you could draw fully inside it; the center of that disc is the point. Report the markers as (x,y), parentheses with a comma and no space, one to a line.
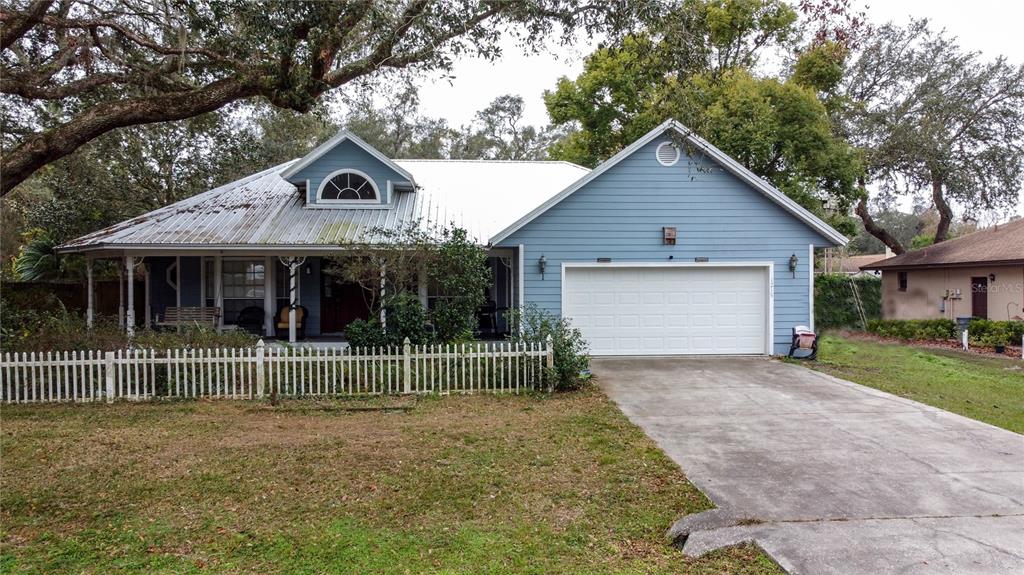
(218,289)
(90,299)
(421,287)
(129,264)
(120,294)
(268,296)
(149,311)
(177,285)
(293,293)
(383,293)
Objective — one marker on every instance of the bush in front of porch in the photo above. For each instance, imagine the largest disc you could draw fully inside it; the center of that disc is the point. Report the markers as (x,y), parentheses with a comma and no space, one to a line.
(391,271)
(54,328)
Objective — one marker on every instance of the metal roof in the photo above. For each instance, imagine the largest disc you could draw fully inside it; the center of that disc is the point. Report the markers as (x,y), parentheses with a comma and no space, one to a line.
(264,210)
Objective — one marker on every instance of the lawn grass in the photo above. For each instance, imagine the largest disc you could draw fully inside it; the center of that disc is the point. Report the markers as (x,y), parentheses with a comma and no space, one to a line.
(989,389)
(461,484)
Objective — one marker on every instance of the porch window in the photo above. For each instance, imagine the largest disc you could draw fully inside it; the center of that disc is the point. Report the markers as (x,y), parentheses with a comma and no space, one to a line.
(242,286)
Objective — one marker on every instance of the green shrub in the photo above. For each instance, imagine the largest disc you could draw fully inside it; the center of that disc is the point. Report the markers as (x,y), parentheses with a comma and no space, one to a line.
(406,318)
(914,328)
(532,324)
(833,300)
(365,333)
(991,332)
(57,329)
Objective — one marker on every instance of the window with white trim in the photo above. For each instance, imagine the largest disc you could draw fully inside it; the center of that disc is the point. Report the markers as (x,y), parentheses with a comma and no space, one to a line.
(348,186)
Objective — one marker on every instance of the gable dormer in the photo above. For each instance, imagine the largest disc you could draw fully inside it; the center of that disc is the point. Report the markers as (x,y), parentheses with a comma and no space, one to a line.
(346,172)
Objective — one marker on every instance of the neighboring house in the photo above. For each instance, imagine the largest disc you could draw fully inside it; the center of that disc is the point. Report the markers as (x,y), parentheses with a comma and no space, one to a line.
(980,274)
(668,247)
(851,265)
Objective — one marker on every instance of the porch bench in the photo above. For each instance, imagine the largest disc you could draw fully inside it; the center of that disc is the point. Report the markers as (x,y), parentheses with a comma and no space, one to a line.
(180,316)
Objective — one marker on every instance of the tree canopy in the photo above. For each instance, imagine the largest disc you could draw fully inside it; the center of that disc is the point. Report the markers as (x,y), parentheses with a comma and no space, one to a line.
(778,128)
(71,70)
(932,118)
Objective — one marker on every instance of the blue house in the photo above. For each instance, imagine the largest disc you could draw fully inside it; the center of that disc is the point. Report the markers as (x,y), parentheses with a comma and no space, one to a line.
(668,247)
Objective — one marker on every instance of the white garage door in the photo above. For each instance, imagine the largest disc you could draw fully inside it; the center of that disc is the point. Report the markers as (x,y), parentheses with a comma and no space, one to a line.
(668,310)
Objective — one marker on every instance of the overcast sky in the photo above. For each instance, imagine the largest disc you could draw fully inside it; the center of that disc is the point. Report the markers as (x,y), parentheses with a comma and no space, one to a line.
(991,27)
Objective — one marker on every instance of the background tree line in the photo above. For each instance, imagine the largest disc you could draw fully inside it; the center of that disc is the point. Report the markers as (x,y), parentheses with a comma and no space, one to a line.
(112,112)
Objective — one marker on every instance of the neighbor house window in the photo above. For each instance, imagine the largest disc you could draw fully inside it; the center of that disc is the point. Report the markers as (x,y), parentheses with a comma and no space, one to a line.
(901,278)
(347,186)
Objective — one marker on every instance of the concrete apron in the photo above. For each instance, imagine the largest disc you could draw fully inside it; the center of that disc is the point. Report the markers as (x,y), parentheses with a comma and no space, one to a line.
(828,476)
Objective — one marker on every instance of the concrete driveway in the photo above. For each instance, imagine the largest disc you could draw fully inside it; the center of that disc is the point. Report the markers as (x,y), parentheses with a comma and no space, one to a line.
(826,475)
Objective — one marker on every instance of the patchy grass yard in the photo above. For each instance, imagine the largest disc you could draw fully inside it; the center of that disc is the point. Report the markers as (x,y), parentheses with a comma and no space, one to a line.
(448,485)
(989,389)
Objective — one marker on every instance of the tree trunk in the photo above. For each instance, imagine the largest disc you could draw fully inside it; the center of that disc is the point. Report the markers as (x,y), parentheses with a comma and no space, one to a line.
(876,230)
(945,212)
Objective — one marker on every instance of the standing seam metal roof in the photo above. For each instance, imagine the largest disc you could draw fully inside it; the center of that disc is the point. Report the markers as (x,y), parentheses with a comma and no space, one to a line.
(266,210)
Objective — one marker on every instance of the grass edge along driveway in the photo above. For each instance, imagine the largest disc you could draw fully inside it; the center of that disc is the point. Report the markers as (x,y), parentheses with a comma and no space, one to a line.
(988,389)
(462,484)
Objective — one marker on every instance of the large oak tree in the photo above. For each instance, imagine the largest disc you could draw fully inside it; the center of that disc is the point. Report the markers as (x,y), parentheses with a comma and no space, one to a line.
(933,119)
(71,70)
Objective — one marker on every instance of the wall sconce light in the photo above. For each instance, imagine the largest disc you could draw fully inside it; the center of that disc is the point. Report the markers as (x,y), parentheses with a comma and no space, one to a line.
(793,260)
(542,265)
(991,277)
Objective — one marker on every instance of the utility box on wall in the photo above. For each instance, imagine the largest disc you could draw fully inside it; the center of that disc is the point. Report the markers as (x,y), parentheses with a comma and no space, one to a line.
(668,236)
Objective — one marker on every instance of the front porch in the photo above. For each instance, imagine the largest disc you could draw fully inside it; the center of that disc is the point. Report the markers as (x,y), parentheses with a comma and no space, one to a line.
(280,296)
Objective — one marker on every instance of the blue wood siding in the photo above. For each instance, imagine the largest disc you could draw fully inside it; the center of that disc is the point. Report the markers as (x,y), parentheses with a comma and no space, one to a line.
(346,155)
(161,294)
(191,278)
(309,294)
(620,215)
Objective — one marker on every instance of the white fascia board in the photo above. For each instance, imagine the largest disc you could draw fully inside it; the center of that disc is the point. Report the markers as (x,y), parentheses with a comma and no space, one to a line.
(714,153)
(340,137)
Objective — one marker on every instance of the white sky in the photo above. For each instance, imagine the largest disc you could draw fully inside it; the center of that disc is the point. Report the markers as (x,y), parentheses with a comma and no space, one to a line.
(991,27)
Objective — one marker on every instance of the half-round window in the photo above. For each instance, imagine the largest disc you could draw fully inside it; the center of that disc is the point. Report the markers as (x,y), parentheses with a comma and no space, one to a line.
(348,185)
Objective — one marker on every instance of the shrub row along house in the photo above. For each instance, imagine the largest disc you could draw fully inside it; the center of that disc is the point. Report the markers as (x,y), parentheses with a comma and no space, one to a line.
(668,247)
(980,274)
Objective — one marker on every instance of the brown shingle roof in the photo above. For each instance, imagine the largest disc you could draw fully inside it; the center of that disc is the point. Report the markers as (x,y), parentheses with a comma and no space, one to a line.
(1000,244)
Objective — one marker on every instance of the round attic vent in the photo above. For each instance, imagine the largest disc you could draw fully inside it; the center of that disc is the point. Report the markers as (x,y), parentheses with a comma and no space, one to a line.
(667,154)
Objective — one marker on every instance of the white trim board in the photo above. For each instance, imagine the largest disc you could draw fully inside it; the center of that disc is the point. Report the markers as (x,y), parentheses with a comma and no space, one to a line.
(714,153)
(768,266)
(340,137)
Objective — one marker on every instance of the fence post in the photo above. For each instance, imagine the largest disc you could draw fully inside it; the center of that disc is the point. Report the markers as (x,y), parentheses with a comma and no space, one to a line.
(963,339)
(549,358)
(407,365)
(260,368)
(108,372)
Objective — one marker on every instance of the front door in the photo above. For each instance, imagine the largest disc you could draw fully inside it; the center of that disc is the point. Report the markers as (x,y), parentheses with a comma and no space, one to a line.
(341,303)
(979,297)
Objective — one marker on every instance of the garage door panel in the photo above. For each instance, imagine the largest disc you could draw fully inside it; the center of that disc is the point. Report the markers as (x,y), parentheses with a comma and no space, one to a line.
(668,310)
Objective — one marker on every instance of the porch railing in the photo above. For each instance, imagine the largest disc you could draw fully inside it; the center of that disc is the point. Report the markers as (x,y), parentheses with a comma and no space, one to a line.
(254,372)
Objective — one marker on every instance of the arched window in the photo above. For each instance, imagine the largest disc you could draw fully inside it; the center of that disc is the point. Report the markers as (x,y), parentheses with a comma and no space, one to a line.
(348,186)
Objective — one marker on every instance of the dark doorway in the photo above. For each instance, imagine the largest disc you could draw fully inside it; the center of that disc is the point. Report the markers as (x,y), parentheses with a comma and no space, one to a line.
(341,303)
(979,297)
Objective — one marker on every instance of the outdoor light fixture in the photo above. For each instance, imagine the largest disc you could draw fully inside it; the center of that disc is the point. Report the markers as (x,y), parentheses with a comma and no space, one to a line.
(991,277)
(542,265)
(793,260)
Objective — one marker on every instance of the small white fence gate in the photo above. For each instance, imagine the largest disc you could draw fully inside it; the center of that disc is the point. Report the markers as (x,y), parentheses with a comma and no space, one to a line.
(140,374)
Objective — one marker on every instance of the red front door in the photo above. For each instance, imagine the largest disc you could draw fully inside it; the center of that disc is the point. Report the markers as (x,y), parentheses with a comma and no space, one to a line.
(340,304)
(979,297)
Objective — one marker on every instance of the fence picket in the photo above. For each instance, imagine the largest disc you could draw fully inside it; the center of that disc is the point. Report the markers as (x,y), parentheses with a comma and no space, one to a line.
(141,374)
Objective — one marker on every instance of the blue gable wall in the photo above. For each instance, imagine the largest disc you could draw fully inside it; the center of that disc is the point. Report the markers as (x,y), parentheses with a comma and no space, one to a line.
(346,155)
(620,214)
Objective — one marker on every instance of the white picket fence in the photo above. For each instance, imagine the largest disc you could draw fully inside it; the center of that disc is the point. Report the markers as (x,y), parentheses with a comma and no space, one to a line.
(141,374)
